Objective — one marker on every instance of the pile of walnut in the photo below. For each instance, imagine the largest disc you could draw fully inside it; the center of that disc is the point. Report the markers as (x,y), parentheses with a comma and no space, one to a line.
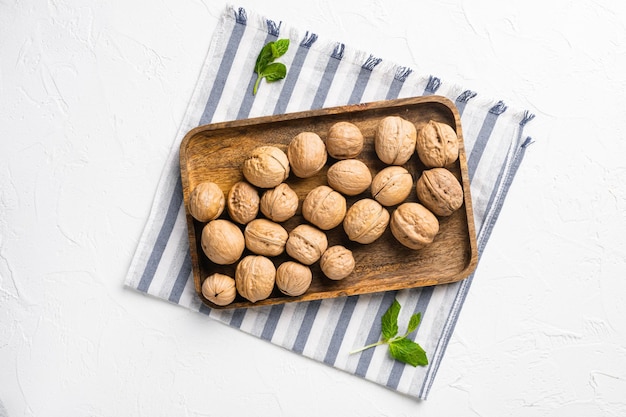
(264,189)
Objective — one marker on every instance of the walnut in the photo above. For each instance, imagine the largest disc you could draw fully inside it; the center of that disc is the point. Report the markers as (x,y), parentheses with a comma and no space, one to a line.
(293,278)
(394,141)
(254,277)
(307,154)
(206,201)
(243,202)
(414,225)
(280,203)
(324,207)
(266,167)
(344,141)
(437,145)
(440,191)
(222,242)
(349,177)
(264,237)
(365,221)
(392,185)
(337,262)
(219,289)
(306,244)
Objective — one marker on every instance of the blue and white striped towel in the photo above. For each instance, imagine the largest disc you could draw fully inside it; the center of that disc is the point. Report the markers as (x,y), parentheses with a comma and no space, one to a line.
(326,74)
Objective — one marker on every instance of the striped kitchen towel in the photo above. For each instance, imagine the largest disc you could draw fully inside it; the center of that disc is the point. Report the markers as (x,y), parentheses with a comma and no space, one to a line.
(325,74)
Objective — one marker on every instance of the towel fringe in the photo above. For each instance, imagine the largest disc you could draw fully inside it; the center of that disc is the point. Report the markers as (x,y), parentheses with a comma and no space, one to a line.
(528,116)
(466,96)
(272,27)
(499,108)
(527,142)
(371,62)
(338,51)
(308,39)
(241,16)
(402,73)
(433,84)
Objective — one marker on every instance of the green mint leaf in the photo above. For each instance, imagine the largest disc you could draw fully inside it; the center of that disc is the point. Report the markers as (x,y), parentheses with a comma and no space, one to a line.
(281,46)
(274,72)
(265,66)
(414,322)
(264,58)
(408,351)
(389,321)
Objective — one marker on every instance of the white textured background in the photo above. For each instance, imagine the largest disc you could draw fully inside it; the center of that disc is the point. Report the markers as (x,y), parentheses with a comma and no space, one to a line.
(91,94)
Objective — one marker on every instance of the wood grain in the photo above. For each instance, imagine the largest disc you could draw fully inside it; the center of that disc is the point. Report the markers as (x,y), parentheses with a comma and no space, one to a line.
(216,152)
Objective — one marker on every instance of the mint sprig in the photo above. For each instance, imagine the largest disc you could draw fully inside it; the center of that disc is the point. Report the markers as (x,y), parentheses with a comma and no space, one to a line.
(400,348)
(265,66)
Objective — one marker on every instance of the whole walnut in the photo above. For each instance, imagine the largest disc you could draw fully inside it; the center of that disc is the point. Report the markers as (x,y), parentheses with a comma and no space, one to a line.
(324,207)
(392,185)
(243,202)
(414,225)
(306,244)
(293,278)
(222,241)
(206,201)
(266,166)
(365,221)
(440,191)
(280,203)
(337,262)
(394,141)
(219,289)
(255,276)
(349,176)
(344,140)
(307,154)
(437,144)
(264,237)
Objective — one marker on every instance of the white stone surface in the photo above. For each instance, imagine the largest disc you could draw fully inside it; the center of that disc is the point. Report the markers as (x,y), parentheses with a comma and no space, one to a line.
(91,94)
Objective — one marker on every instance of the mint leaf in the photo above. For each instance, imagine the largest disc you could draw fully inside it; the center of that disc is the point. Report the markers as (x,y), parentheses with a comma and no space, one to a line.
(414,322)
(400,348)
(281,46)
(265,57)
(389,321)
(408,351)
(265,66)
(274,72)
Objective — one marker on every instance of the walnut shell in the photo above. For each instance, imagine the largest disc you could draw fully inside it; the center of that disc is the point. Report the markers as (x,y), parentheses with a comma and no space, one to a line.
(439,191)
(306,244)
(437,145)
(337,262)
(414,225)
(219,289)
(307,154)
(243,202)
(344,140)
(366,221)
(206,201)
(264,237)
(349,177)
(222,241)
(324,207)
(266,166)
(394,141)
(293,278)
(280,203)
(392,185)
(255,277)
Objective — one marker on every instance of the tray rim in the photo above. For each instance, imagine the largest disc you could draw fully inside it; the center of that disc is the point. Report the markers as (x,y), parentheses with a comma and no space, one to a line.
(327,111)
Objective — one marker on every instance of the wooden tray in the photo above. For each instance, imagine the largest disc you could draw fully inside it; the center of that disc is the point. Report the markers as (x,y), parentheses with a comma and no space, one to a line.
(216,152)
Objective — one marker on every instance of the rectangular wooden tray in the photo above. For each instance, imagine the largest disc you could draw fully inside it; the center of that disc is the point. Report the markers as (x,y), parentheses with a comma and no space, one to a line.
(215,152)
